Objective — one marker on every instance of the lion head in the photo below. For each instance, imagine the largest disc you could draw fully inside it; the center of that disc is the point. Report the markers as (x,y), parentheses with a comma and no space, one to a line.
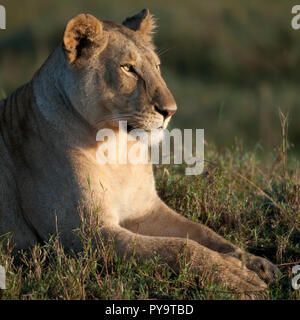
(113,73)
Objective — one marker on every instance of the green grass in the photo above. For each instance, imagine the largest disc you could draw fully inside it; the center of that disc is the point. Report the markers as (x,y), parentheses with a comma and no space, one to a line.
(253,203)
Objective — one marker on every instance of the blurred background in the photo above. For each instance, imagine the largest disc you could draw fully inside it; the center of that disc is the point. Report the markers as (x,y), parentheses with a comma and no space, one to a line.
(230,64)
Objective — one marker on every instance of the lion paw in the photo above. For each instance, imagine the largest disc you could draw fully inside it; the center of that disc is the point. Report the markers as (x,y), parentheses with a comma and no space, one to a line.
(265,269)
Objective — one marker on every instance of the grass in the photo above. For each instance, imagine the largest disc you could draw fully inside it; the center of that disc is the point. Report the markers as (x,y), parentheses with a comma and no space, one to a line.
(252,202)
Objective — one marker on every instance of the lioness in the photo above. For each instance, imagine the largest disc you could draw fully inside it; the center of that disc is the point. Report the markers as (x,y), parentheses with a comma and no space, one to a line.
(101,73)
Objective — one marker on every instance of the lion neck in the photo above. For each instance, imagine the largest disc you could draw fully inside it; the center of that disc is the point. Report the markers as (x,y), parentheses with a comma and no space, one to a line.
(55,107)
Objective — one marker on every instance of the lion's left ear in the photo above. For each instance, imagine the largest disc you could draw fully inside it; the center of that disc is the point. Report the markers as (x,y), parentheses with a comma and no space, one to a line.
(84,35)
(142,22)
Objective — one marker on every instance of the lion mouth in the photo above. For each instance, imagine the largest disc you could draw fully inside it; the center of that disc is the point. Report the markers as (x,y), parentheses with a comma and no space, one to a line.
(129,128)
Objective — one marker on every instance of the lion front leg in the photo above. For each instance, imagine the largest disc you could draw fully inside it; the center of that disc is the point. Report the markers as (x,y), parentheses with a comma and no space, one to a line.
(165,222)
(218,267)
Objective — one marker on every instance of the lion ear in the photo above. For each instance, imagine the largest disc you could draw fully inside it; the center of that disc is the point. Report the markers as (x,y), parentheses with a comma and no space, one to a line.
(143,22)
(82,37)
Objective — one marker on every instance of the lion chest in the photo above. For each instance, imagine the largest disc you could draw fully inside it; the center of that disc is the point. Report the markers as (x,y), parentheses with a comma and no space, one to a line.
(122,191)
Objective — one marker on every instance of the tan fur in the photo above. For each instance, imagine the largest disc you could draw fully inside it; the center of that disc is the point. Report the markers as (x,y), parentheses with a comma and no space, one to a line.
(48,154)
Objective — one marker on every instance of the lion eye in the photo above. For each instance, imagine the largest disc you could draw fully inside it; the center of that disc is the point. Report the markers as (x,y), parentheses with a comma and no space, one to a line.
(127,68)
(158,67)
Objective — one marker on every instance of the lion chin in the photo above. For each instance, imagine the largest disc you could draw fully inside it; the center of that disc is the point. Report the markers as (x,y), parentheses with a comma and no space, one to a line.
(156,137)
(152,138)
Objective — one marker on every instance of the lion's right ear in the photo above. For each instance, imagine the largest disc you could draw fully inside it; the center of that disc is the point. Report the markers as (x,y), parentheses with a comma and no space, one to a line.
(83,36)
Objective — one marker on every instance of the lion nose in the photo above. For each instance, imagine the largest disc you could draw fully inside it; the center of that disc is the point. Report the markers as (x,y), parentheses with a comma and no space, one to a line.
(165,112)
